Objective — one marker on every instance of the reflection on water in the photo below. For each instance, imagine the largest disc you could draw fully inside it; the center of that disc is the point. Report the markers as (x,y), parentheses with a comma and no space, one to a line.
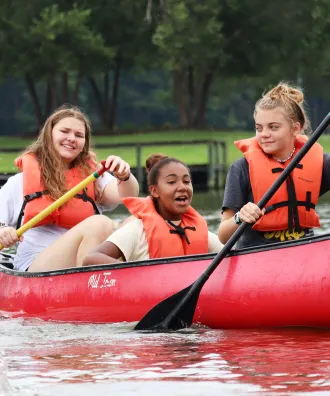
(113,357)
(38,358)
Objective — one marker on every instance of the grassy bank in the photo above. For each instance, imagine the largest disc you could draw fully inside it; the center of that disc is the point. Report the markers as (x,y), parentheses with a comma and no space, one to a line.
(196,154)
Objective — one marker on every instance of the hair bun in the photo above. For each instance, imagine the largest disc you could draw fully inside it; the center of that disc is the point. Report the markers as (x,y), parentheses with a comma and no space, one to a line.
(153,159)
(285,91)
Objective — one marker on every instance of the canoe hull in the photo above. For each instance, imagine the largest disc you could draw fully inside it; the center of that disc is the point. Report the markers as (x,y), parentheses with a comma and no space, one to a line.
(286,286)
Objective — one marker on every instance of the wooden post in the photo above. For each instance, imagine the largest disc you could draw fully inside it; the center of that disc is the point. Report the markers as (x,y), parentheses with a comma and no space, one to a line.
(217,166)
(139,164)
(210,164)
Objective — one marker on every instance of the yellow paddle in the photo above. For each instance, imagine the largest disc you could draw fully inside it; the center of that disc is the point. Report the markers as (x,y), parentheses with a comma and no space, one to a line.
(75,190)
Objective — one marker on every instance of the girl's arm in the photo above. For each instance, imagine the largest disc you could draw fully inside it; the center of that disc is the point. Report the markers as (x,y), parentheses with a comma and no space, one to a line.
(227,226)
(126,186)
(106,253)
(123,243)
(11,199)
(235,197)
(249,213)
(116,190)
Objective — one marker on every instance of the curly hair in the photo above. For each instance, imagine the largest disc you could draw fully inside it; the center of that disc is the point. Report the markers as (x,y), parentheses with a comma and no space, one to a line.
(155,162)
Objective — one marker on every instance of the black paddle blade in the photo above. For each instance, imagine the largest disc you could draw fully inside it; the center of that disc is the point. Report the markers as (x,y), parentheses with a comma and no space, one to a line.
(162,316)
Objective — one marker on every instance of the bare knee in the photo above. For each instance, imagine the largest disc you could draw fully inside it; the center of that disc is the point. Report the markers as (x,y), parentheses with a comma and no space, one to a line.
(98,225)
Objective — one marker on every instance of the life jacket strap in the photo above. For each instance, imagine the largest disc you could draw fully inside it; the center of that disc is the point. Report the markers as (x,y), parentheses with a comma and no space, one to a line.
(181,230)
(292,203)
(86,198)
(38,194)
(307,204)
(28,198)
(292,206)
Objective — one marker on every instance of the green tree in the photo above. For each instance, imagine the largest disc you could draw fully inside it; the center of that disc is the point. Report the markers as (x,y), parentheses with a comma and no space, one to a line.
(122,28)
(205,41)
(43,44)
(190,40)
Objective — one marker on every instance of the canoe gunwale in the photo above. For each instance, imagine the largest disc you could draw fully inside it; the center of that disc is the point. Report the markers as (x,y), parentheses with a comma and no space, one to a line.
(169,260)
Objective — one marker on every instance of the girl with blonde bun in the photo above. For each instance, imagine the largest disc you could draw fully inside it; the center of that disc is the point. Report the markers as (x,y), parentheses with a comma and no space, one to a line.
(281,126)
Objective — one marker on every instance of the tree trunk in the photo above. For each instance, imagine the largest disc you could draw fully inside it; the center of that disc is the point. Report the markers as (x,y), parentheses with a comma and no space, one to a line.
(106,88)
(191,92)
(148,11)
(180,97)
(201,100)
(65,88)
(76,89)
(48,106)
(51,96)
(35,100)
(115,92)
(55,98)
(99,101)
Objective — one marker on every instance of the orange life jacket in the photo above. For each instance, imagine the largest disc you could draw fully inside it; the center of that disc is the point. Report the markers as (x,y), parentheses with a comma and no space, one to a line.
(36,198)
(293,205)
(191,237)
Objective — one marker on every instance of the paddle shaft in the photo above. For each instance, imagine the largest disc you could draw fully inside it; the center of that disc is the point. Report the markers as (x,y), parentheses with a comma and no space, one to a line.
(59,202)
(198,284)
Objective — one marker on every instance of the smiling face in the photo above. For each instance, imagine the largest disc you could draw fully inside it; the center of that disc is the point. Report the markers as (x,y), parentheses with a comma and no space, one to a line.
(173,191)
(275,133)
(68,136)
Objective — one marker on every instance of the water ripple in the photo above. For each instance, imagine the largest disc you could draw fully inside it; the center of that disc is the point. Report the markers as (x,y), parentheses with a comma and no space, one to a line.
(68,357)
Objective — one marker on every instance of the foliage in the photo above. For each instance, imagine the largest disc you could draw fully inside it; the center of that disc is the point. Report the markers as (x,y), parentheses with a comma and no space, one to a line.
(48,41)
(190,33)
(200,57)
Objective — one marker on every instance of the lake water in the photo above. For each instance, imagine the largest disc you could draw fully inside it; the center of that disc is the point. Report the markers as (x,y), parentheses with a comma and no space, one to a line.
(38,358)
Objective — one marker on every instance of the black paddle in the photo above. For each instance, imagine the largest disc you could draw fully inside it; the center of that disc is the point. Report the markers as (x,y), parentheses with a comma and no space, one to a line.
(177,311)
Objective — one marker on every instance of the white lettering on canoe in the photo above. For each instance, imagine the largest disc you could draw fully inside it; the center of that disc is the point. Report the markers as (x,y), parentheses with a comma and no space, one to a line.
(100,281)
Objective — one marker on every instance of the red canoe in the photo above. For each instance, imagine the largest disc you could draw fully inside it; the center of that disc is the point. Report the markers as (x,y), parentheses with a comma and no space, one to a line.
(283,284)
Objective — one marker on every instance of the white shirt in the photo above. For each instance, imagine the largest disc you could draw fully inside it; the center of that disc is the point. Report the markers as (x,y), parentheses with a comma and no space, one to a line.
(36,239)
(131,239)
